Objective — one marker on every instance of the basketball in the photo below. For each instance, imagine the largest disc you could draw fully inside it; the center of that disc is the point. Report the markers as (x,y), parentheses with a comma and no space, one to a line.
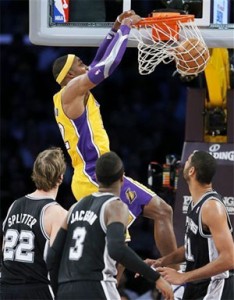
(191,56)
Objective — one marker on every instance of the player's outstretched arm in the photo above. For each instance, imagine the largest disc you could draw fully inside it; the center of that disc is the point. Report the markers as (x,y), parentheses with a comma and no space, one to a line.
(176,257)
(109,37)
(116,214)
(114,52)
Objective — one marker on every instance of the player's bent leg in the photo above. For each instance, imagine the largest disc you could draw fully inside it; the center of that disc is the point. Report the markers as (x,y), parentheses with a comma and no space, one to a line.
(162,214)
(141,199)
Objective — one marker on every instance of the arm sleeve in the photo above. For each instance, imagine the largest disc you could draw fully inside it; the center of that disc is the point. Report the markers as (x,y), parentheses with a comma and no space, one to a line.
(112,56)
(103,46)
(54,257)
(126,256)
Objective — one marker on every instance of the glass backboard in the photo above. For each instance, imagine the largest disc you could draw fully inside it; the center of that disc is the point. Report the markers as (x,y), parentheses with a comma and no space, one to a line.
(86,22)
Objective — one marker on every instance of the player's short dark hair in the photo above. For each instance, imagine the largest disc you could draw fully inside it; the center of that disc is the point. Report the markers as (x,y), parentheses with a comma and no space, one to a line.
(58,65)
(205,166)
(109,168)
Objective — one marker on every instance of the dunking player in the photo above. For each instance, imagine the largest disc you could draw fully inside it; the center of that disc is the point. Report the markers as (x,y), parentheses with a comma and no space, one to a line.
(31,224)
(92,240)
(78,116)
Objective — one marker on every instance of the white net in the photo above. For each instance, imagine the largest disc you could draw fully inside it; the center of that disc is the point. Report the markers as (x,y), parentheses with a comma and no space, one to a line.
(165,42)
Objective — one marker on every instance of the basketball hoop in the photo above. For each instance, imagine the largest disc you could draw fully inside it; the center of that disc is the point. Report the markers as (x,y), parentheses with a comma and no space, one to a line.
(169,36)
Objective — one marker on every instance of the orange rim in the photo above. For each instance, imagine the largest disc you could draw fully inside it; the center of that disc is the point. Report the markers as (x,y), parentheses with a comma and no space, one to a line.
(167,18)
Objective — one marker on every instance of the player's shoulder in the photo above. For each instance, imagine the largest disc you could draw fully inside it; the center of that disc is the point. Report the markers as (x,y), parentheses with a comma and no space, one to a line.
(56,210)
(213,202)
(117,203)
(213,208)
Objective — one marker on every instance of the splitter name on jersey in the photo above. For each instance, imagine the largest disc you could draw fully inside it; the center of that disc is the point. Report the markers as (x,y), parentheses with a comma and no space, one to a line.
(22,218)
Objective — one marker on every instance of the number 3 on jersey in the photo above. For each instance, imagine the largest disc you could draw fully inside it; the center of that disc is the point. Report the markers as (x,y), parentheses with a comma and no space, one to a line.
(75,252)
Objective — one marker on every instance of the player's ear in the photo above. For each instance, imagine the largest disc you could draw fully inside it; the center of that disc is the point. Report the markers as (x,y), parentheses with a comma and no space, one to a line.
(60,179)
(191,171)
(122,179)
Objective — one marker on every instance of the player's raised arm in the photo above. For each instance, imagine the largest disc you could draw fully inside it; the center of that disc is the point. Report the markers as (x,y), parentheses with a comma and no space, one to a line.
(109,37)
